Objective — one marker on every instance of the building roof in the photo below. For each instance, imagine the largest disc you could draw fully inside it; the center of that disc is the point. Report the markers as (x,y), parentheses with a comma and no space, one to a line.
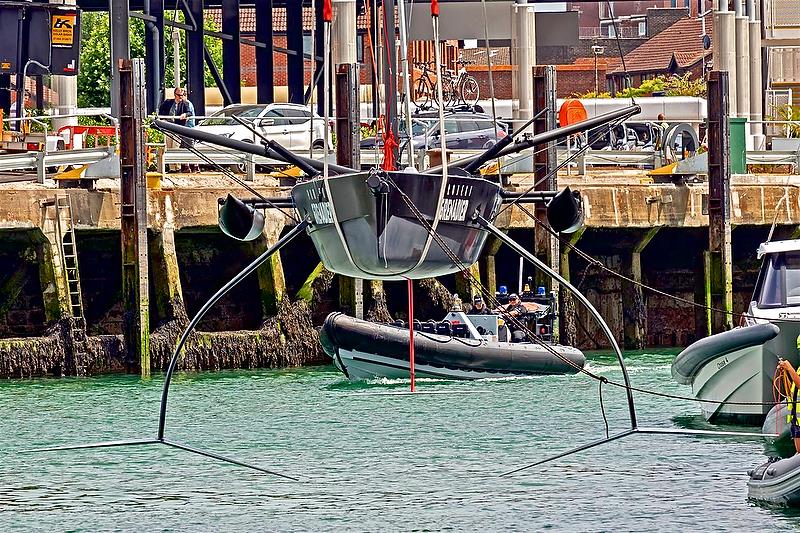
(247,19)
(501,55)
(682,42)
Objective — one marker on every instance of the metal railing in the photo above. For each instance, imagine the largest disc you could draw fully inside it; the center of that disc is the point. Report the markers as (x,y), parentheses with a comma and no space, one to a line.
(41,161)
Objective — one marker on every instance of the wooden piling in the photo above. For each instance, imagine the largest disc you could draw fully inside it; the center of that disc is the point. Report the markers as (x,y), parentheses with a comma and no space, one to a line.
(133,214)
(719,269)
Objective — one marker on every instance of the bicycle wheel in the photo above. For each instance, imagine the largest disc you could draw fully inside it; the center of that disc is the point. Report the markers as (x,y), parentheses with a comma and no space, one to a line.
(421,94)
(470,91)
(449,93)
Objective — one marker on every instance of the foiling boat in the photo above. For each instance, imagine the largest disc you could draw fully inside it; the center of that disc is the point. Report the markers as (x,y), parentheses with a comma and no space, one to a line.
(739,365)
(461,346)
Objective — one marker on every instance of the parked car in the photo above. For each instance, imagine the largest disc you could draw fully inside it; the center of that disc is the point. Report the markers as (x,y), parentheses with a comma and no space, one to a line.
(288,124)
(418,127)
(464,130)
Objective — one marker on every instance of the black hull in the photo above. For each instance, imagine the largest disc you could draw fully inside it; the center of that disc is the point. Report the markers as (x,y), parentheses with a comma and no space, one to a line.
(382,237)
(341,333)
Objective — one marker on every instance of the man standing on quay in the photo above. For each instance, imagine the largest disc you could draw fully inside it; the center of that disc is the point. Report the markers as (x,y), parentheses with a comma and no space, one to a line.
(183,111)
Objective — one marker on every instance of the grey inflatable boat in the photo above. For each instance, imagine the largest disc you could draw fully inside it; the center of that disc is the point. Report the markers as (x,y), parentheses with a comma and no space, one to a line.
(776,481)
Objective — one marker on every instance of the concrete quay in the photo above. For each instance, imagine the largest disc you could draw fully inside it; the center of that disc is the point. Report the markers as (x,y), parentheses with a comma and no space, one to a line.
(653,232)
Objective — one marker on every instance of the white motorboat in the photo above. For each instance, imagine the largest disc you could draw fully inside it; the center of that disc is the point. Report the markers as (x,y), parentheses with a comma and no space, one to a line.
(736,367)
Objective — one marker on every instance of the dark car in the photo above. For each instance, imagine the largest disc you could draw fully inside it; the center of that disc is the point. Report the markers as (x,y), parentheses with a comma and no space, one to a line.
(418,127)
(464,130)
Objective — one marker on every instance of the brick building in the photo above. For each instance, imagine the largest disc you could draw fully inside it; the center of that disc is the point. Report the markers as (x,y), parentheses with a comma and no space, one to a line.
(677,50)
(575,64)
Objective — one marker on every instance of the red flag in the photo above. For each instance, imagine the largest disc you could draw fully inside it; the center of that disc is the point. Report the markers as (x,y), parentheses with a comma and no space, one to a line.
(327,11)
(434,8)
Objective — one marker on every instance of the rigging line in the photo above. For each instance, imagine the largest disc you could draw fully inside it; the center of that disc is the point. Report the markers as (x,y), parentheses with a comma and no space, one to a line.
(596,262)
(619,46)
(489,71)
(569,159)
(519,324)
(228,174)
(603,379)
(784,198)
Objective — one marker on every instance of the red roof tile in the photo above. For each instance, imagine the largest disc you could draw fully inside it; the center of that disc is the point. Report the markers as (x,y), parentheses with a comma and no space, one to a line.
(683,40)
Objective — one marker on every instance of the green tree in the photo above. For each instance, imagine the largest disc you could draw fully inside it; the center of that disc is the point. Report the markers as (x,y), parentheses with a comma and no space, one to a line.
(94,78)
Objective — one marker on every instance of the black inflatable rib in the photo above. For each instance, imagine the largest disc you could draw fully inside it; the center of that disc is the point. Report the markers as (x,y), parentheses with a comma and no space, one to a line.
(344,332)
(692,359)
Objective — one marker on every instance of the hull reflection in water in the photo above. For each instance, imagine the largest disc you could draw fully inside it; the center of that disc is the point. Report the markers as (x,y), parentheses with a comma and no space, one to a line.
(373,224)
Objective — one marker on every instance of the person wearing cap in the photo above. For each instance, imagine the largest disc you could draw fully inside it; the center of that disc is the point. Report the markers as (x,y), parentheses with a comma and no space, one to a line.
(478,307)
(516,310)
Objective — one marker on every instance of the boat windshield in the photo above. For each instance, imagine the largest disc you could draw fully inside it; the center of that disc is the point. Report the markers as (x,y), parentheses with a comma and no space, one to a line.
(779,281)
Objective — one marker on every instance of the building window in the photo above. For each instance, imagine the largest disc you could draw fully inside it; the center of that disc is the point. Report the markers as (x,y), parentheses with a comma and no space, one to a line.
(643,28)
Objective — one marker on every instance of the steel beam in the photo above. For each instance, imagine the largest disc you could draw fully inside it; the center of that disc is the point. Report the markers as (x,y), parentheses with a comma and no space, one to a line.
(265,71)
(120,46)
(544,160)
(195,64)
(294,41)
(154,53)
(231,61)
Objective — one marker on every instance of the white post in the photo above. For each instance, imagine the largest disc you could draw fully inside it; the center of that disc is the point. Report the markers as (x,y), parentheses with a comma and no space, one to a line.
(524,48)
(756,93)
(176,57)
(743,71)
(725,49)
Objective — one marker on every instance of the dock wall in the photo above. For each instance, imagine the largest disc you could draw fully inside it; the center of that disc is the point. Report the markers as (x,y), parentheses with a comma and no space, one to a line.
(653,232)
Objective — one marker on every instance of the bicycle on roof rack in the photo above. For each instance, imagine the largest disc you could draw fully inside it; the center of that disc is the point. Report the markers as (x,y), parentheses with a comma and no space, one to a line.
(464,88)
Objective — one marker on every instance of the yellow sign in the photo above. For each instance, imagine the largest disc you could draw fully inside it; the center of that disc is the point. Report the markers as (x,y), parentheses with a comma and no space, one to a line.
(5,66)
(63,29)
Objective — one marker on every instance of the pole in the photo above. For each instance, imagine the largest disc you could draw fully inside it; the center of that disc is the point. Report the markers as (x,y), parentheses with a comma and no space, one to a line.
(410,286)
(718,276)
(176,58)
(511,243)
(406,80)
(133,213)
(120,47)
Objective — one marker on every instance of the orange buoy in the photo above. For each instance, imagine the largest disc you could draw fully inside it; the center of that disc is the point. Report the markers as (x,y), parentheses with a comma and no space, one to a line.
(571,112)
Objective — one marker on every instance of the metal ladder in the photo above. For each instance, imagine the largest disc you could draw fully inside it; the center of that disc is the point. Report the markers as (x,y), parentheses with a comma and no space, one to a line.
(69,253)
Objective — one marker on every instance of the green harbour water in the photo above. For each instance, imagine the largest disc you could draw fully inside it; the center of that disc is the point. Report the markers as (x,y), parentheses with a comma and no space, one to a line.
(371,462)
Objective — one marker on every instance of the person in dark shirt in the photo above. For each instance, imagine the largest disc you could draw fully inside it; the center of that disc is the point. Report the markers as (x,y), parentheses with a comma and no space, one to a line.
(183,111)
(478,307)
(516,311)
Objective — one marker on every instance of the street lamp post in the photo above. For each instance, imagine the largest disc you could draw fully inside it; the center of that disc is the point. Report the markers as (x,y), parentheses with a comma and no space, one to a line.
(598,50)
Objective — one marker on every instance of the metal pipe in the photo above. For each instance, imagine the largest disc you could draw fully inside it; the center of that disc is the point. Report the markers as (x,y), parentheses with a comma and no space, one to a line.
(270,150)
(203,310)
(585,301)
(552,135)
